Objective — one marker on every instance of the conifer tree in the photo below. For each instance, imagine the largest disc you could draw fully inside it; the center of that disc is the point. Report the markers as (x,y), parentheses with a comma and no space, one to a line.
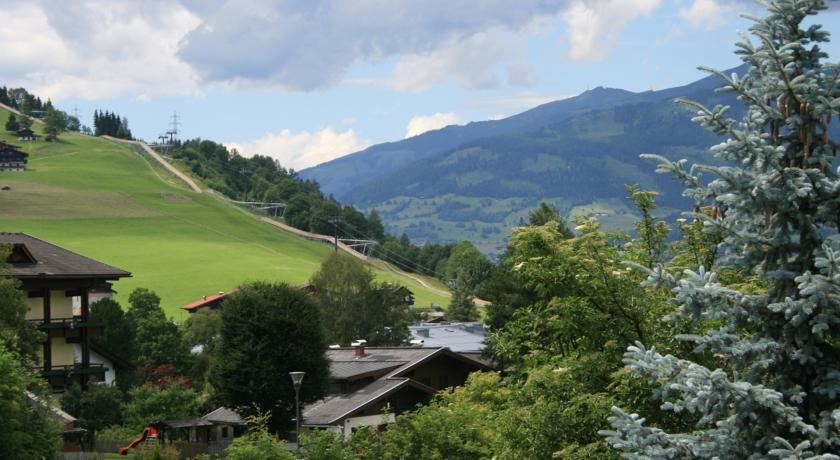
(12,123)
(774,388)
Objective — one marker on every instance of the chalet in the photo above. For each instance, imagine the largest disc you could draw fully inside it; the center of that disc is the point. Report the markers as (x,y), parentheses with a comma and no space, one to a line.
(26,134)
(54,279)
(372,385)
(12,159)
(209,434)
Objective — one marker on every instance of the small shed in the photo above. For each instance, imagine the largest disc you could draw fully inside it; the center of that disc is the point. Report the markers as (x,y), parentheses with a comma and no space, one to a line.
(216,429)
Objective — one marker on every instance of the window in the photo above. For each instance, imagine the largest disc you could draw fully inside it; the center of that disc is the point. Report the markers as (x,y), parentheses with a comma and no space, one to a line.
(224,432)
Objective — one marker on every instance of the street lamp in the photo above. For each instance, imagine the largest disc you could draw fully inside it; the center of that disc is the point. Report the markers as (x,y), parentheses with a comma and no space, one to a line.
(297,380)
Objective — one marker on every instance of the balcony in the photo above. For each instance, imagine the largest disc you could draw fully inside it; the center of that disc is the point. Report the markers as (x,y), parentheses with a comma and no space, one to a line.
(67,327)
(60,377)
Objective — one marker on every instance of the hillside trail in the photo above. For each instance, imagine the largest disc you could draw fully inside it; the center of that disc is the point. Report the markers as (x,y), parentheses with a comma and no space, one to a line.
(17,112)
(169,167)
(303,233)
(372,260)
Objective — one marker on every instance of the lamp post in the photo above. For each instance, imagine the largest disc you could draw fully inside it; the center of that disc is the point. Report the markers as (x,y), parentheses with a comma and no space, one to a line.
(297,380)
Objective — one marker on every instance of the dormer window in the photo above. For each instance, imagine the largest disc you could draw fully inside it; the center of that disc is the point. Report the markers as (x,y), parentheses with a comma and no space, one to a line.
(20,255)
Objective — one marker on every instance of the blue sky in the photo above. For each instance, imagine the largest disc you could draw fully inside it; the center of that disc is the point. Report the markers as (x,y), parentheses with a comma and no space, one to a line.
(306,82)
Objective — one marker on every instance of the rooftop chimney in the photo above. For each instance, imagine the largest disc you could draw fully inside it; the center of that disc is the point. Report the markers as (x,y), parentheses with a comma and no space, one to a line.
(359,348)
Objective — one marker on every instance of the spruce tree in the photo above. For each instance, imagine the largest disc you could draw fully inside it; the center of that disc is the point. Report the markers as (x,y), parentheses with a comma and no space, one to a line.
(12,124)
(774,390)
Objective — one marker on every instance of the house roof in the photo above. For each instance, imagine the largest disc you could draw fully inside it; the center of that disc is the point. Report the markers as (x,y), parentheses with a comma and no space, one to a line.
(460,337)
(221,415)
(333,409)
(53,261)
(206,300)
(390,364)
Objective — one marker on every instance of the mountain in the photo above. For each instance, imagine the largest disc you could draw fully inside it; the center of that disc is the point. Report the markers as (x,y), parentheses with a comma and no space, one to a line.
(477,181)
(105,200)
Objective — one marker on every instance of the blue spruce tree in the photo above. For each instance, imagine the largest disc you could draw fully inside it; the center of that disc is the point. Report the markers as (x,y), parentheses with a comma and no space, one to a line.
(776,393)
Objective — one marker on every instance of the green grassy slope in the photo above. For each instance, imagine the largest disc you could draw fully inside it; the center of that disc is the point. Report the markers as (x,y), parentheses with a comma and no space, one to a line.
(106,201)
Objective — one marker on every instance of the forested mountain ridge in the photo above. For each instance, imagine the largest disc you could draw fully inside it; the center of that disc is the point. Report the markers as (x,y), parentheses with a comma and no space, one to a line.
(577,153)
(340,176)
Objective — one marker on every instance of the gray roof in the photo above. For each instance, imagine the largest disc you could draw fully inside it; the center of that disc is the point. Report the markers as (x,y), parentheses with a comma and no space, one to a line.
(342,370)
(52,261)
(460,337)
(333,409)
(222,415)
(390,363)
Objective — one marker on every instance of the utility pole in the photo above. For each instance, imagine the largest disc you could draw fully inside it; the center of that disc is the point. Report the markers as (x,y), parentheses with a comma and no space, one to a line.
(335,223)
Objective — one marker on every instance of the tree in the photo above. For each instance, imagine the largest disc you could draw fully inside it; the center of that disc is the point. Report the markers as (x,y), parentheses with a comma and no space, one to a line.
(99,407)
(258,443)
(545,213)
(30,430)
(118,333)
(55,123)
(24,122)
(772,389)
(158,340)
(354,307)
(268,331)
(17,335)
(12,124)
(148,404)
(462,306)
(468,264)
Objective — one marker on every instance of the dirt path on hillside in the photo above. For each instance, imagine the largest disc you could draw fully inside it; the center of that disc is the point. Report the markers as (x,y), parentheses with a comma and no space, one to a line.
(160,160)
(17,112)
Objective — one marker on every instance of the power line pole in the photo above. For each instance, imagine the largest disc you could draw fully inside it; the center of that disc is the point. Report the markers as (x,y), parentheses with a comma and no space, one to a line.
(335,222)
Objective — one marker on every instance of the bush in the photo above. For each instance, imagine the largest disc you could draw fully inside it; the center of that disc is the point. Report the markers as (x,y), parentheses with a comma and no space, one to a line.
(157,452)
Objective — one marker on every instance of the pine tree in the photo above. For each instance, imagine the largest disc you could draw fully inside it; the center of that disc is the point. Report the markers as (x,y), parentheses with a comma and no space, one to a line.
(776,390)
(12,124)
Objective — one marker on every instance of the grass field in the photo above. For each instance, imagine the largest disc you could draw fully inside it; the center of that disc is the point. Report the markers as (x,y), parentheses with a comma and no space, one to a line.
(106,201)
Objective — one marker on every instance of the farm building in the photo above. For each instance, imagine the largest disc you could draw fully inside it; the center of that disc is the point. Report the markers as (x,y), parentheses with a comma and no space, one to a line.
(366,381)
(12,159)
(55,279)
(26,134)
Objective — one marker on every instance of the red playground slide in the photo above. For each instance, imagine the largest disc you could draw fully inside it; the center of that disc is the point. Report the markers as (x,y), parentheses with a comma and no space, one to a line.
(149,432)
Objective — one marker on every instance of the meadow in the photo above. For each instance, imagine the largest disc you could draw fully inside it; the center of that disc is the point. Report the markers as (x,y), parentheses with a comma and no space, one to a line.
(106,201)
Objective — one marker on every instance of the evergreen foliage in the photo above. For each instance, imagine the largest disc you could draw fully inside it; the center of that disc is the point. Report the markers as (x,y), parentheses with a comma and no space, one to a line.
(268,331)
(772,389)
(110,124)
(12,124)
(55,123)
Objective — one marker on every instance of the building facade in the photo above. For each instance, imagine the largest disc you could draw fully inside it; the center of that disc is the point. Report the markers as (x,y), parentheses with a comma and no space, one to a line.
(54,279)
(12,159)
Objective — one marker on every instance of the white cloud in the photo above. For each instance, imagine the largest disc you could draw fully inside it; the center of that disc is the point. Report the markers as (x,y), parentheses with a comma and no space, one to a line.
(298,150)
(311,45)
(484,60)
(96,49)
(595,26)
(704,13)
(422,123)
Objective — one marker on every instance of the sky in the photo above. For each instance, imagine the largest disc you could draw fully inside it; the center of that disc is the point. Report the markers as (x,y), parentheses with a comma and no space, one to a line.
(309,81)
